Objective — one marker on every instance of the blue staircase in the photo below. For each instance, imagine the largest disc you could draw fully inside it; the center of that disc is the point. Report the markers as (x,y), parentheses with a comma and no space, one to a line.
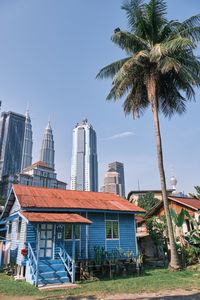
(52,272)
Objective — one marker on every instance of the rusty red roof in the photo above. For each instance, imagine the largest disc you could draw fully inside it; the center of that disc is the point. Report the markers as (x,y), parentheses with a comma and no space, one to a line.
(190,202)
(54,217)
(139,219)
(30,196)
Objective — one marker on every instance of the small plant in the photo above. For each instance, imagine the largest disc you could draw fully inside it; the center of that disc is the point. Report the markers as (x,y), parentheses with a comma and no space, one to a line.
(140,258)
(99,255)
(132,256)
(191,254)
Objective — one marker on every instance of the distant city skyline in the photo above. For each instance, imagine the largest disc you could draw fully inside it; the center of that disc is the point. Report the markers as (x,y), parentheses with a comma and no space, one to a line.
(28,143)
(48,61)
(47,151)
(84,166)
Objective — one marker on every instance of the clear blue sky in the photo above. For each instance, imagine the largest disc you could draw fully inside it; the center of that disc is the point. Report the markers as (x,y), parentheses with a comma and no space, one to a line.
(50,53)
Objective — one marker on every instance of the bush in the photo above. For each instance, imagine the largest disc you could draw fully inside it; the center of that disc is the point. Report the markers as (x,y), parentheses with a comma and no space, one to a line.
(191,254)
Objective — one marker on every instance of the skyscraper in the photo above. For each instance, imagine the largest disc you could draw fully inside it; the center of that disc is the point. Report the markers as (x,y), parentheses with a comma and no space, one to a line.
(119,167)
(47,150)
(28,143)
(12,128)
(112,183)
(84,169)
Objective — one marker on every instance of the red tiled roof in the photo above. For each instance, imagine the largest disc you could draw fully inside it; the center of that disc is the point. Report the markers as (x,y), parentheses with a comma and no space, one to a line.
(54,217)
(190,202)
(38,163)
(139,219)
(30,196)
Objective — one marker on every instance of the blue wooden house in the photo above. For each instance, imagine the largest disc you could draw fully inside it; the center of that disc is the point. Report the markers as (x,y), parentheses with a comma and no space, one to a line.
(48,229)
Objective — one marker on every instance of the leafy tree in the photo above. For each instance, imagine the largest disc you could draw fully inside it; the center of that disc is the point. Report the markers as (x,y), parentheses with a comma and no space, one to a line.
(2,200)
(197,196)
(147,201)
(160,71)
(157,228)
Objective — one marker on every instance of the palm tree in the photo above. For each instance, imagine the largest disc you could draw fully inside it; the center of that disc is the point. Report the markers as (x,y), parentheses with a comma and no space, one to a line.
(160,70)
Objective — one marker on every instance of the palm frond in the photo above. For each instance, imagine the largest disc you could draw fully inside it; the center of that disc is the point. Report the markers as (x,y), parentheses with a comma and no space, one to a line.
(112,69)
(192,33)
(132,8)
(168,63)
(155,12)
(129,42)
(187,29)
(177,44)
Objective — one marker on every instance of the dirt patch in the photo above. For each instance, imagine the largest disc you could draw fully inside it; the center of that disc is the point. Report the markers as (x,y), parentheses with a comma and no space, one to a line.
(161,295)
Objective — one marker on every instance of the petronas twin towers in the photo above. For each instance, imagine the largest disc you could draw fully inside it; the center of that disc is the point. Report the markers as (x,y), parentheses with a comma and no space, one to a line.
(47,152)
(84,169)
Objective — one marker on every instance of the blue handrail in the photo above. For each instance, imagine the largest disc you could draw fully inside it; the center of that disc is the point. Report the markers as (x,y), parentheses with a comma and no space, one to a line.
(68,262)
(33,264)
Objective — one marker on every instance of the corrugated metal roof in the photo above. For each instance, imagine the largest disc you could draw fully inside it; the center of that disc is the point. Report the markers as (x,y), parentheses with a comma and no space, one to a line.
(190,202)
(54,217)
(30,196)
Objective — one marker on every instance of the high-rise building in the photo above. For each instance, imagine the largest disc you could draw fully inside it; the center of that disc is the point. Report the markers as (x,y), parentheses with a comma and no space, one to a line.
(112,183)
(119,167)
(12,128)
(84,169)
(47,150)
(37,174)
(28,143)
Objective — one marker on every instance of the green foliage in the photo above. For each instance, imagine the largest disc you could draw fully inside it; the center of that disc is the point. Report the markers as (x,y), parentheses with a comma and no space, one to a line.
(2,200)
(197,196)
(194,235)
(191,254)
(178,220)
(153,280)
(154,47)
(147,201)
(99,255)
(157,227)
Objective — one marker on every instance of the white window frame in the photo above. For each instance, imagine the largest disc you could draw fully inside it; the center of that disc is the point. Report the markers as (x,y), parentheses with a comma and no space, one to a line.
(72,233)
(112,238)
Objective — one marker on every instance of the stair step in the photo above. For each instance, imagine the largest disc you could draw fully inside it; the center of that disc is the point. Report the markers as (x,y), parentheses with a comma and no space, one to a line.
(49,275)
(53,280)
(50,262)
(53,268)
(51,265)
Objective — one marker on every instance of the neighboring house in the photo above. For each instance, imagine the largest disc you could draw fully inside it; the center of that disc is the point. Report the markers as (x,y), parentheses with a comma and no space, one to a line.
(192,205)
(38,174)
(145,244)
(133,196)
(177,203)
(55,225)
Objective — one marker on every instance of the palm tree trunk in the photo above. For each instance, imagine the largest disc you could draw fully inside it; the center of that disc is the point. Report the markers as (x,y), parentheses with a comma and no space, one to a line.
(151,89)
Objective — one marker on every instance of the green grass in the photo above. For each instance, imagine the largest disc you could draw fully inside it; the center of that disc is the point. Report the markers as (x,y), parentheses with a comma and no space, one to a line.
(152,280)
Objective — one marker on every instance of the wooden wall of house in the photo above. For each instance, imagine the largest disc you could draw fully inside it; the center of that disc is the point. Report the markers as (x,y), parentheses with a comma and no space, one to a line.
(128,233)
(97,232)
(21,243)
(176,206)
(13,235)
(30,237)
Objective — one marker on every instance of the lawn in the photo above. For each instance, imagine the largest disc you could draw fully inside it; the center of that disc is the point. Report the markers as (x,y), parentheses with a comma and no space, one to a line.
(152,280)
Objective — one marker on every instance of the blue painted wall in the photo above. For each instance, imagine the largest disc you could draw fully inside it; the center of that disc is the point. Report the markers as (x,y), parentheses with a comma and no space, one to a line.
(96,235)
